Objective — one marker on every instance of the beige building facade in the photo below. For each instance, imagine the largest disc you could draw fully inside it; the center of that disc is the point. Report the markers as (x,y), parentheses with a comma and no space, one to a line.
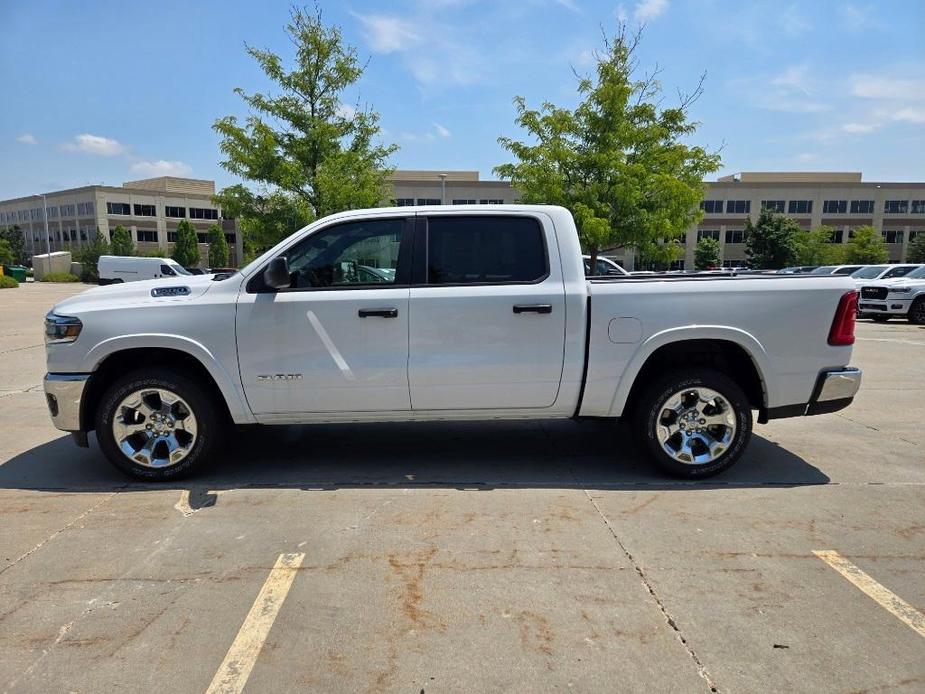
(837,199)
(150,209)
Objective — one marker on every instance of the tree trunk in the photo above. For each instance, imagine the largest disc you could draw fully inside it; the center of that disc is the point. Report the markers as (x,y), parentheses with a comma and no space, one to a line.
(593,262)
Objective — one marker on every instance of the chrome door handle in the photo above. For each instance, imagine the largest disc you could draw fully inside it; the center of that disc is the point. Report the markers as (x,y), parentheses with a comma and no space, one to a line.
(378,313)
(532,308)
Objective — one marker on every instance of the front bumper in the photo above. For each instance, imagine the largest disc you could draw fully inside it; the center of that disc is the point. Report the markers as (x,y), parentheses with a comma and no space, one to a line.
(835,390)
(888,306)
(63,393)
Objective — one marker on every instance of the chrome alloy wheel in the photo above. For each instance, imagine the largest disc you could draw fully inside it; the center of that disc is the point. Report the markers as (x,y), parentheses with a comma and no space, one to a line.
(696,426)
(154,427)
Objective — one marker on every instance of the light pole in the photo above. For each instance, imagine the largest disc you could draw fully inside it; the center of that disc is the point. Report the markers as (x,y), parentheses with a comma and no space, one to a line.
(442,189)
(47,237)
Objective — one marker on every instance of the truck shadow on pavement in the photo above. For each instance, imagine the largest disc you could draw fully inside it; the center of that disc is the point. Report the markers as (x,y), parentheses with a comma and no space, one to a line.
(454,455)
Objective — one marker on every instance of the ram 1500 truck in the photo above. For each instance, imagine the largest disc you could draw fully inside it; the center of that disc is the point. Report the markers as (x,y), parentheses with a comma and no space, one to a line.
(903,297)
(444,313)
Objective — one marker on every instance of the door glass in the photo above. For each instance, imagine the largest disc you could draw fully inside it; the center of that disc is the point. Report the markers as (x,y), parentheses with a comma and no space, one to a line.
(167,271)
(485,250)
(355,253)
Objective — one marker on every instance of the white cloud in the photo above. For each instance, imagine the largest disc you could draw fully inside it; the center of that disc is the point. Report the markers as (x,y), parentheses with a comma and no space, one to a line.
(441,131)
(161,167)
(910,115)
(569,5)
(621,14)
(346,111)
(27,139)
(95,144)
(860,128)
(387,34)
(854,18)
(647,10)
(795,77)
(882,87)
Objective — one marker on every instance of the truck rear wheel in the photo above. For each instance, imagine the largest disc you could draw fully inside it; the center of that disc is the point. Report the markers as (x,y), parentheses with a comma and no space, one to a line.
(157,424)
(694,423)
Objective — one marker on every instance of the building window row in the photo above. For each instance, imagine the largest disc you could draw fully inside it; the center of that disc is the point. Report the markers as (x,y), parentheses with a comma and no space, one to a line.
(735,235)
(175,212)
(203,213)
(773,205)
(148,235)
(118,208)
(800,207)
(707,234)
(145,210)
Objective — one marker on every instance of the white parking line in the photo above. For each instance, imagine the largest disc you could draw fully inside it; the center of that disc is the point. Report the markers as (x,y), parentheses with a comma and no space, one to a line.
(886,598)
(888,339)
(236,668)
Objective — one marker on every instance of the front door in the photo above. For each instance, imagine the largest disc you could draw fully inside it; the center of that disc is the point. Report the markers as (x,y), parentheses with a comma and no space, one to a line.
(487,313)
(335,340)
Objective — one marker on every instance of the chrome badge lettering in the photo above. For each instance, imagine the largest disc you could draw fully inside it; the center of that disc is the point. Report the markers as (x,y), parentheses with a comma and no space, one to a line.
(279,377)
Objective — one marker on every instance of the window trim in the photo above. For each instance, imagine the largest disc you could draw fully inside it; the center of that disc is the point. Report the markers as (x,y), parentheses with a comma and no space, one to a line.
(421,252)
(255,284)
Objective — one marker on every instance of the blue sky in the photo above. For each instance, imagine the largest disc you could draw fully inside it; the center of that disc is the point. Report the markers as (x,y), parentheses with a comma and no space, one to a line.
(108,91)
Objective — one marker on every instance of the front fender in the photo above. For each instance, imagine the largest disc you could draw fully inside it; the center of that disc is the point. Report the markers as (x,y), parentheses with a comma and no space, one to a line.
(695,332)
(226,382)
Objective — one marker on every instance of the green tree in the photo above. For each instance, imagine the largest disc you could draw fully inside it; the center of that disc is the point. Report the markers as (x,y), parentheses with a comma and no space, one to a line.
(308,154)
(6,253)
(706,255)
(917,249)
(185,248)
(817,248)
(772,242)
(218,247)
(121,241)
(89,257)
(866,246)
(619,162)
(14,236)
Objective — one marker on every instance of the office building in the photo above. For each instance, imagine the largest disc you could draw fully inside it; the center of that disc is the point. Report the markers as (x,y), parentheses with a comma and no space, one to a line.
(150,209)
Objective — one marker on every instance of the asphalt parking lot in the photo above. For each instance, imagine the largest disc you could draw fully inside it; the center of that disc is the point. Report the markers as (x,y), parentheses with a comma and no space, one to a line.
(517,557)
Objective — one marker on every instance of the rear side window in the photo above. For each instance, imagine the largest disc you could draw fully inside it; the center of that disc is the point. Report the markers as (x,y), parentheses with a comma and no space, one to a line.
(485,250)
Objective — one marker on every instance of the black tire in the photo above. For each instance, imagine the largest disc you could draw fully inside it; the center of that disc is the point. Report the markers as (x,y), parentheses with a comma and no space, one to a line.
(917,311)
(879,318)
(208,422)
(652,402)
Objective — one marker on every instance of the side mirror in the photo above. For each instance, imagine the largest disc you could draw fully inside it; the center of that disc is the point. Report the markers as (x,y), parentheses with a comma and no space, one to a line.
(276,276)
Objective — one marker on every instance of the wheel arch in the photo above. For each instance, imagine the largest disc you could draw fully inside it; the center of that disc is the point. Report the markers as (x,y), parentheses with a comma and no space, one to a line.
(733,352)
(117,360)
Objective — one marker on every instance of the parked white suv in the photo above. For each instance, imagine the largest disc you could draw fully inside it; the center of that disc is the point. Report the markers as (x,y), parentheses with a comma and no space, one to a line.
(487,315)
(898,298)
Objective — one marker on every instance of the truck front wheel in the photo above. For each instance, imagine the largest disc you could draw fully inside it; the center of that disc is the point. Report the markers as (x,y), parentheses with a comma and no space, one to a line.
(694,423)
(917,311)
(156,424)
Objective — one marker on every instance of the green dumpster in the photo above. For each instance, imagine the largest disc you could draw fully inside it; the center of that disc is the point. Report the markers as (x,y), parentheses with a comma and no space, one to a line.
(17,272)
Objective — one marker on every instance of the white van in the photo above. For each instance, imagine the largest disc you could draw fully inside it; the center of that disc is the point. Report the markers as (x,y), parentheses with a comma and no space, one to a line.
(114,269)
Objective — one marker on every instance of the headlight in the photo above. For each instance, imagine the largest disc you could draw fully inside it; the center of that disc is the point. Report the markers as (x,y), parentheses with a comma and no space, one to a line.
(61,329)
(900,290)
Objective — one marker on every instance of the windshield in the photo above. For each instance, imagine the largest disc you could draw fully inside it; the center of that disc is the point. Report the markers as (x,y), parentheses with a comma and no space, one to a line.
(868,273)
(824,270)
(900,271)
(179,269)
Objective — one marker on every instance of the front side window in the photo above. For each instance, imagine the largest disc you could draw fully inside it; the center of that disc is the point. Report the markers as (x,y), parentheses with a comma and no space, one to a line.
(355,253)
(167,271)
(485,250)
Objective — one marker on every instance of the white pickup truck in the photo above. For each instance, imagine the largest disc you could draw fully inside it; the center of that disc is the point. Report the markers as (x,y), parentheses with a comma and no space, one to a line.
(444,313)
(902,297)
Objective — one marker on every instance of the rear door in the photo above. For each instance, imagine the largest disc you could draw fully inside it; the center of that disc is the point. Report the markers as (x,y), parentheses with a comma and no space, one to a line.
(487,313)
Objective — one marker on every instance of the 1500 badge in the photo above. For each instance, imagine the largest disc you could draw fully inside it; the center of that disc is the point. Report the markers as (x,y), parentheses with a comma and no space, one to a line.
(279,377)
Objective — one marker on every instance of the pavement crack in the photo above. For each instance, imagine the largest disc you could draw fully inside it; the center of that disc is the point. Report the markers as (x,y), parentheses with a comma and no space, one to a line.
(60,530)
(701,668)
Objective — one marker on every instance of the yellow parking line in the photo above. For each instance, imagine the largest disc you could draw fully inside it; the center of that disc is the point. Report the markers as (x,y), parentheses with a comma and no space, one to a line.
(886,598)
(236,668)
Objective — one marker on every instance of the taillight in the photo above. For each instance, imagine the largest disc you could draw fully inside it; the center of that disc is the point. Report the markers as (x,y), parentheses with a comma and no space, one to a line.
(842,332)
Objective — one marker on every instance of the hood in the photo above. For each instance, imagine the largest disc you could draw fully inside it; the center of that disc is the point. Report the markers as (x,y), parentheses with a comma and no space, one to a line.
(134,294)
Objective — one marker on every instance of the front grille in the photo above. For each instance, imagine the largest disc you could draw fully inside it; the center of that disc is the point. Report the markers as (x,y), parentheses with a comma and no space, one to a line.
(874,292)
(872,307)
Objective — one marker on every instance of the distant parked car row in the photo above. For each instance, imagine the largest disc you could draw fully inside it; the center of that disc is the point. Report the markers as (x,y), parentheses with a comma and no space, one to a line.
(892,295)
